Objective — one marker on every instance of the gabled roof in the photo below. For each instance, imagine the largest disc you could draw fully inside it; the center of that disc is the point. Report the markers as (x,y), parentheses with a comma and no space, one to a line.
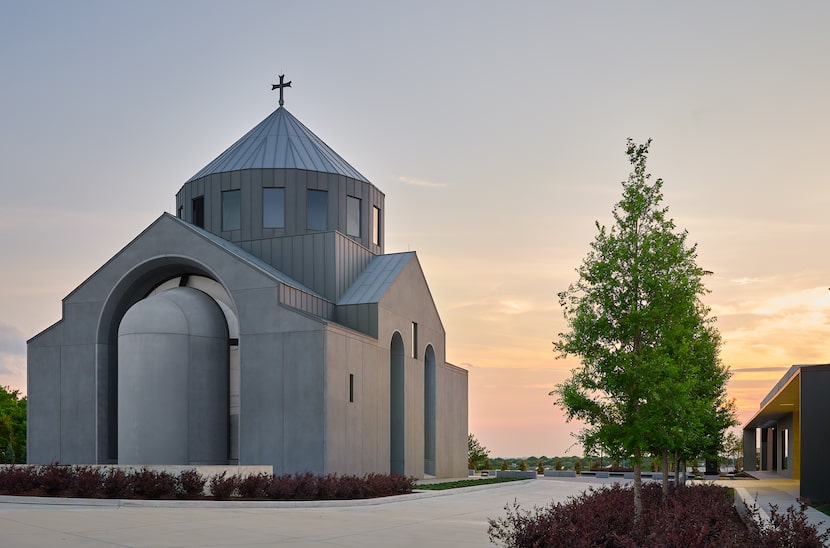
(280,142)
(375,279)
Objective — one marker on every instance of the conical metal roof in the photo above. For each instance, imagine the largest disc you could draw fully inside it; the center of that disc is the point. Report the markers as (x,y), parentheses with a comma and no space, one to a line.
(280,142)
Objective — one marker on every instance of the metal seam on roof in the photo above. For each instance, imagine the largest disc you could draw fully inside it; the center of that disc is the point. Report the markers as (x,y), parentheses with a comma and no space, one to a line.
(376,279)
(279,142)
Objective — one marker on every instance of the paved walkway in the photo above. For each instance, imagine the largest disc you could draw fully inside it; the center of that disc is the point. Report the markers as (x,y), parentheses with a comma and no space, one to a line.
(781,492)
(441,518)
(435,519)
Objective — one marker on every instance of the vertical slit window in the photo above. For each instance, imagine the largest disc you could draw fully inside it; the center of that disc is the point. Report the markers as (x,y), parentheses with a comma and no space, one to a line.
(375,225)
(353,216)
(317,208)
(351,388)
(414,340)
(231,203)
(198,217)
(273,208)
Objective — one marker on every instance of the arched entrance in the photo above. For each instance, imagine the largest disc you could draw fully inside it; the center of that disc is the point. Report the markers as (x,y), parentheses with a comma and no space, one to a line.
(429,411)
(145,280)
(397,400)
(173,380)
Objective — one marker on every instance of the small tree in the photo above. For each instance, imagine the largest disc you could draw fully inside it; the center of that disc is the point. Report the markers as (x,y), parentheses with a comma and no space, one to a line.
(578,466)
(522,465)
(643,337)
(558,464)
(476,453)
(504,465)
(540,467)
(733,449)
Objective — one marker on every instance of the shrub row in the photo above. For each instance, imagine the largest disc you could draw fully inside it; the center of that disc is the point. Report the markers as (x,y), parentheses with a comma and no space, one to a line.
(699,515)
(93,482)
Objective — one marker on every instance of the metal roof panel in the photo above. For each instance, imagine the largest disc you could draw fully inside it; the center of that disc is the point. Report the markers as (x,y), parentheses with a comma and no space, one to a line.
(280,142)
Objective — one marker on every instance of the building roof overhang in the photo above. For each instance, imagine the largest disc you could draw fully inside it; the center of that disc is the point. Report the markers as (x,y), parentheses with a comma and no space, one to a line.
(782,400)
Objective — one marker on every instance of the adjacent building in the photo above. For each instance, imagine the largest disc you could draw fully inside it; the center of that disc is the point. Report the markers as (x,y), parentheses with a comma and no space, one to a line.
(262,324)
(792,426)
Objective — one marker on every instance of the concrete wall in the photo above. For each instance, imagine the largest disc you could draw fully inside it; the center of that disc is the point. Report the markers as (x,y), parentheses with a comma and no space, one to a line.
(409,300)
(72,368)
(282,357)
(357,431)
(453,417)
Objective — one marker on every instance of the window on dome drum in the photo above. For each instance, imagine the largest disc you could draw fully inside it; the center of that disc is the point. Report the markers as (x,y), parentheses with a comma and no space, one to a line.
(273,208)
(198,217)
(231,203)
(353,216)
(317,208)
(376,225)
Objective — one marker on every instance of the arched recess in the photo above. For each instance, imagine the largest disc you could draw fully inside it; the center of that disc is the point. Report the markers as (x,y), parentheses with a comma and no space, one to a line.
(396,406)
(429,411)
(140,282)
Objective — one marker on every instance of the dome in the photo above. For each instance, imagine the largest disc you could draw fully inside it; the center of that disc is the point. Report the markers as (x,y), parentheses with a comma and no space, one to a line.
(280,142)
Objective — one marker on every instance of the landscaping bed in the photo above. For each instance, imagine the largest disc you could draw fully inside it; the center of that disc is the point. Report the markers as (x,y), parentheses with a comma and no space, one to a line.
(114,483)
(697,515)
(463,483)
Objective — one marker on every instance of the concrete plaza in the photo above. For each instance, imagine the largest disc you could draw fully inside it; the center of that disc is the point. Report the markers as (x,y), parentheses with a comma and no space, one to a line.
(443,518)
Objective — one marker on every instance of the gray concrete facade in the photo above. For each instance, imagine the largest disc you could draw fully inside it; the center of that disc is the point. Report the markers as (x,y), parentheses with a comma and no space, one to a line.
(306,353)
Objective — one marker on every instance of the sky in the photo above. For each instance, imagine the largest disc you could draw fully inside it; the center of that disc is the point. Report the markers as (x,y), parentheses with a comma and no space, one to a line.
(496,130)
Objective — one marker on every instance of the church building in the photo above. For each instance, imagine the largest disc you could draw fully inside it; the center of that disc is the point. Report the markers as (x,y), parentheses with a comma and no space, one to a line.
(262,324)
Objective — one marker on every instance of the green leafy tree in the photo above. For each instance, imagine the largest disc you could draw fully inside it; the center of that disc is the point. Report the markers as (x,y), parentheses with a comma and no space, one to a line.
(540,467)
(522,465)
(476,453)
(733,449)
(504,465)
(12,426)
(636,322)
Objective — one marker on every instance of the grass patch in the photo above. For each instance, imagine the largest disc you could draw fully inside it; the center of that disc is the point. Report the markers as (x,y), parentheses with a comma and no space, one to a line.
(823,508)
(462,483)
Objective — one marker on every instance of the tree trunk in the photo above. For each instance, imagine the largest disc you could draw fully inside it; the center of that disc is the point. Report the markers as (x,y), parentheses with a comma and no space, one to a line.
(665,466)
(638,485)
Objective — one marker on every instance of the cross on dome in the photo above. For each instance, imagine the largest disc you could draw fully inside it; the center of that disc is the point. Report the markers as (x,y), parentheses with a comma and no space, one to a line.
(280,86)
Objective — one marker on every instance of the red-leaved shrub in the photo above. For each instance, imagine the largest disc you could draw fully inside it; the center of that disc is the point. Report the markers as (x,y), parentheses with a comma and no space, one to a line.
(785,529)
(254,486)
(93,482)
(223,487)
(86,482)
(15,480)
(55,479)
(192,484)
(147,484)
(700,515)
(115,484)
